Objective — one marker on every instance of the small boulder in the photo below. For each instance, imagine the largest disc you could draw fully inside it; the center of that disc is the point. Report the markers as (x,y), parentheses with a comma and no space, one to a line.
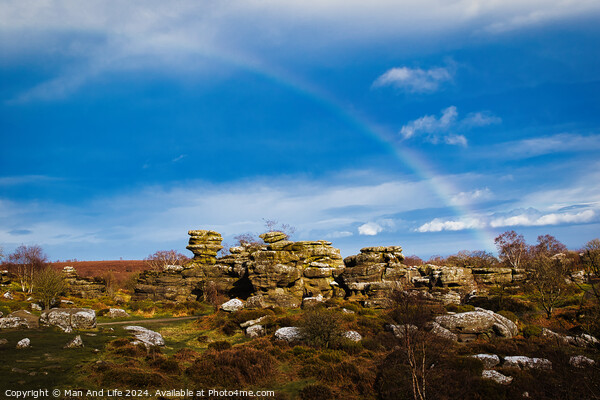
(496,377)
(400,331)
(523,362)
(252,322)
(312,301)
(24,343)
(581,362)
(36,307)
(488,360)
(352,336)
(289,334)
(145,336)
(440,331)
(232,305)
(117,313)
(68,319)
(3,342)
(469,325)
(8,295)
(75,343)
(255,331)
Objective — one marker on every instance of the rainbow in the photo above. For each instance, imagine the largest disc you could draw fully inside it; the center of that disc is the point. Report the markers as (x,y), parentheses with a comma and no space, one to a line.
(409,157)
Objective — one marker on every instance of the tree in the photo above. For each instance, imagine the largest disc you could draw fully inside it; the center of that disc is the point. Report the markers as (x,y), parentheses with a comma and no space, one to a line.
(512,248)
(159,260)
(590,259)
(25,261)
(48,285)
(549,246)
(477,258)
(548,279)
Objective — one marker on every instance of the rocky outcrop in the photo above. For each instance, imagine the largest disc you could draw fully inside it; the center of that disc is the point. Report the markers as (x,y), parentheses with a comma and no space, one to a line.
(87,288)
(468,326)
(370,275)
(492,275)
(145,336)
(583,340)
(581,362)
(69,319)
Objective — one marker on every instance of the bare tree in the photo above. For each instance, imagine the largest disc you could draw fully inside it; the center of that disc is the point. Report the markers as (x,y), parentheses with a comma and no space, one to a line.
(48,284)
(549,246)
(25,261)
(274,226)
(159,260)
(512,248)
(548,280)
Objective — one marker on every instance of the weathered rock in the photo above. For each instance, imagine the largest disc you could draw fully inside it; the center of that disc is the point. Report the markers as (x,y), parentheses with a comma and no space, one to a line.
(87,288)
(255,331)
(496,377)
(68,319)
(446,298)
(443,276)
(232,305)
(23,343)
(8,295)
(145,336)
(312,301)
(36,307)
(252,322)
(3,342)
(289,334)
(273,237)
(117,313)
(352,336)
(523,362)
(205,245)
(583,340)
(581,362)
(488,360)
(492,275)
(472,324)
(31,320)
(13,323)
(75,343)
(440,331)
(400,331)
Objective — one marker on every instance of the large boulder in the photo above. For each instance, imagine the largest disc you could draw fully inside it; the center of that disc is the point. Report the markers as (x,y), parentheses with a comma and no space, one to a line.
(289,334)
(232,305)
(145,336)
(21,319)
(473,324)
(69,319)
(522,362)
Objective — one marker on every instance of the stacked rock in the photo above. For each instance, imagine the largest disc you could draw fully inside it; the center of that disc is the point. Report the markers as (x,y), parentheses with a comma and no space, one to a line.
(370,275)
(87,288)
(205,245)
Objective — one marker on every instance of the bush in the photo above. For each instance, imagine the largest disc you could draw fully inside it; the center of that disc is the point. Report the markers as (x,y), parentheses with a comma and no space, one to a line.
(509,314)
(316,392)
(531,331)
(238,367)
(220,345)
(321,328)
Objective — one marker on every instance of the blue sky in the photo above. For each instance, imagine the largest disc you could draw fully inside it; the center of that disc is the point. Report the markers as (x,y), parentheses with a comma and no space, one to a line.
(426,124)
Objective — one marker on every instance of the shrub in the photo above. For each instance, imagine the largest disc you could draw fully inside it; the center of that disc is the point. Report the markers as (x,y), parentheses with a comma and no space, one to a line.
(132,378)
(232,368)
(531,331)
(509,314)
(316,392)
(321,328)
(220,345)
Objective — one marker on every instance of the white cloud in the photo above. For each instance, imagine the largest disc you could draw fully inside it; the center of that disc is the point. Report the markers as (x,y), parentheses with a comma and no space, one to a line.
(369,229)
(475,196)
(438,225)
(559,143)
(414,80)
(440,130)
(338,234)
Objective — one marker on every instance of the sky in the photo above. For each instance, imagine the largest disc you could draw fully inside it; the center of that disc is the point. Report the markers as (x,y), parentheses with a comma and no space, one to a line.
(428,124)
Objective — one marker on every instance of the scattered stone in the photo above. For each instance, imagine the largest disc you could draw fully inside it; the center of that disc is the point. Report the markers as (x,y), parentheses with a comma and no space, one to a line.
(352,336)
(583,340)
(289,334)
(581,362)
(75,343)
(19,319)
(488,360)
(173,268)
(145,336)
(496,377)
(312,301)
(8,295)
(19,370)
(24,343)
(523,362)
(255,331)
(472,324)
(67,302)
(3,341)
(400,331)
(232,305)
(68,319)
(440,331)
(252,322)
(346,311)
(36,307)
(117,313)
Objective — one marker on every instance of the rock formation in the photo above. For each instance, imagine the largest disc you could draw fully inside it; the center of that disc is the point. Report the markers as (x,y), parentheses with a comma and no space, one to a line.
(87,288)
(69,319)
